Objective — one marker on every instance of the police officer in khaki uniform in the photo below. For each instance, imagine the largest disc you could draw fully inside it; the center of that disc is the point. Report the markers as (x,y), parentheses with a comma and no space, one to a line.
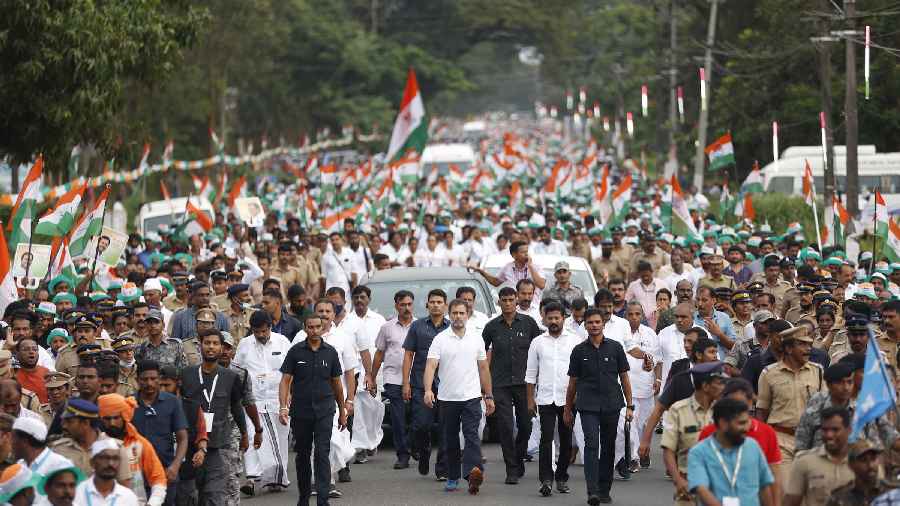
(58,390)
(684,421)
(128,383)
(621,252)
(85,333)
(786,386)
(742,305)
(239,311)
(219,285)
(79,420)
(803,308)
(648,253)
(773,282)
(855,339)
(178,300)
(714,277)
(206,320)
(824,468)
(283,270)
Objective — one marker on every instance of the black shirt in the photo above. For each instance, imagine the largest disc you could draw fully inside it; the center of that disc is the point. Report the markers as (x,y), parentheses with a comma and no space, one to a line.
(596,370)
(313,370)
(680,386)
(288,326)
(509,348)
(227,396)
(760,359)
(418,339)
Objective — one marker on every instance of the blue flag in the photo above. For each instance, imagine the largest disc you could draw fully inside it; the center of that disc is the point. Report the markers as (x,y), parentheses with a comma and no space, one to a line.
(877,394)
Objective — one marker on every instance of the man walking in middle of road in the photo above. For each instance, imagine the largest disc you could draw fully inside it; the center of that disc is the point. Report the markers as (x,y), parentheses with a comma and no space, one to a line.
(465,379)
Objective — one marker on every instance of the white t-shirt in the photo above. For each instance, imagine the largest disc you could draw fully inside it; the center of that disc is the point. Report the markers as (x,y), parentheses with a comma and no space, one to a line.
(454,256)
(671,348)
(618,329)
(366,328)
(86,494)
(458,368)
(642,381)
(338,268)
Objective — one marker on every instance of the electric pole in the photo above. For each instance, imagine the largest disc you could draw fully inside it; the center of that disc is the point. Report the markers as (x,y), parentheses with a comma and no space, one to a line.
(700,161)
(850,112)
(823,46)
(673,76)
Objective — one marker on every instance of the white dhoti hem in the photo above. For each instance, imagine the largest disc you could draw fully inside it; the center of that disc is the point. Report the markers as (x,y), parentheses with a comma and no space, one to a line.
(269,464)
(367,417)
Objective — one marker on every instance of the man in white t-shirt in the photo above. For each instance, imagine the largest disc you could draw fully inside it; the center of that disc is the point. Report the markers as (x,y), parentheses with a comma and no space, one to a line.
(457,355)
(337,265)
(451,253)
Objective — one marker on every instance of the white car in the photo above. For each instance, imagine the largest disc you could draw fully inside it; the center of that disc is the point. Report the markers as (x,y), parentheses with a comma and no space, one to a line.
(582,275)
(168,212)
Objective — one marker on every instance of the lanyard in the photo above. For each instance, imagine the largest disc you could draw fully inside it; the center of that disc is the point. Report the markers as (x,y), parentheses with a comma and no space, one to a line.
(210,393)
(731,478)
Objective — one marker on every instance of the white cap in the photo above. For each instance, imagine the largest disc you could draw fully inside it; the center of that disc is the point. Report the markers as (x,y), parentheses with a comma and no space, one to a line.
(101,445)
(31,426)
(152,284)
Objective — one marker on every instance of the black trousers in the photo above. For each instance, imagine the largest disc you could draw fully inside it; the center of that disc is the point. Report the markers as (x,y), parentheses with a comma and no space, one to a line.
(465,415)
(599,430)
(308,431)
(551,418)
(211,479)
(509,400)
(423,419)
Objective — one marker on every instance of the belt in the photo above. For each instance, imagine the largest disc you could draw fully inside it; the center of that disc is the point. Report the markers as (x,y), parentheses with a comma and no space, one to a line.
(790,431)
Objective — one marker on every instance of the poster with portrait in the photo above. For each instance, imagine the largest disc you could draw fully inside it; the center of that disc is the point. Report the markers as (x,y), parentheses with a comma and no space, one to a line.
(108,246)
(250,211)
(36,262)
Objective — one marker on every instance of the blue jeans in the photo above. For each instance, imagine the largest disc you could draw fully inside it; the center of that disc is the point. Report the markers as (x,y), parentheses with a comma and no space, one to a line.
(422,424)
(599,450)
(394,394)
(468,415)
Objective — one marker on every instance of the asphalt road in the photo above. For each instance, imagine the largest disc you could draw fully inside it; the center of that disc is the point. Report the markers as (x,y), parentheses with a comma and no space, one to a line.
(377,483)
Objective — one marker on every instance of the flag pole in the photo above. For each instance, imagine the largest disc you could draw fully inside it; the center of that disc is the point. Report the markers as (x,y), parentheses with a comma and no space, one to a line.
(875,233)
(816,220)
(30,242)
(102,219)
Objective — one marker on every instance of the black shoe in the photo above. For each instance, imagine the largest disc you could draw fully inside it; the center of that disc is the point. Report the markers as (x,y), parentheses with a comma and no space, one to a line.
(371,453)
(546,490)
(334,493)
(563,487)
(344,475)
(401,463)
(635,466)
(622,469)
(593,500)
(511,480)
(605,499)
(361,457)
(423,466)
(645,463)
(248,489)
(440,477)
(528,458)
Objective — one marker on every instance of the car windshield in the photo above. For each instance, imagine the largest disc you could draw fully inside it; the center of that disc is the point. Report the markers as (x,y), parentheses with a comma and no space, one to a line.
(383,294)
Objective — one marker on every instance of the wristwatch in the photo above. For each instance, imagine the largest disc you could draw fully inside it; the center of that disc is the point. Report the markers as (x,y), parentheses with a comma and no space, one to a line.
(630,406)
(488,397)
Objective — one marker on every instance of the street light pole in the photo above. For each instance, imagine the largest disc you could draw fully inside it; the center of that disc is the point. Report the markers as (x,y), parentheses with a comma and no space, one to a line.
(700,160)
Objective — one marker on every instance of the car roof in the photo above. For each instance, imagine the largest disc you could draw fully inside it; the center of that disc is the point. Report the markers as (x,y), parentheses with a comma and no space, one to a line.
(576,263)
(419,274)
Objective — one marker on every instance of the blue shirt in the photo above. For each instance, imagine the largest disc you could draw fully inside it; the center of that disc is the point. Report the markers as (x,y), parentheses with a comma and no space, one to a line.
(704,469)
(184,323)
(418,340)
(158,423)
(724,323)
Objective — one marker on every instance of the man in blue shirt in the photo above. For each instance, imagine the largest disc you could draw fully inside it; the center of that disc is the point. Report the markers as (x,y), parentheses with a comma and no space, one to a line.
(184,321)
(729,468)
(418,341)
(716,323)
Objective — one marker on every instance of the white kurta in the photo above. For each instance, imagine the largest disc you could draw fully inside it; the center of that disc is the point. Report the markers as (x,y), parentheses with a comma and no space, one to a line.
(263,363)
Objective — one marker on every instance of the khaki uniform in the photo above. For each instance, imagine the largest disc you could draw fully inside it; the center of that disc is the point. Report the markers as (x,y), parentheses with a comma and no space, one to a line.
(314,257)
(173,304)
(681,428)
(723,282)
(289,276)
(622,255)
(815,475)
(840,346)
(238,323)
(127,381)
(778,291)
(610,266)
(192,353)
(47,413)
(582,250)
(791,299)
(67,359)
(739,327)
(797,313)
(657,259)
(308,273)
(69,448)
(784,393)
(30,401)
(220,302)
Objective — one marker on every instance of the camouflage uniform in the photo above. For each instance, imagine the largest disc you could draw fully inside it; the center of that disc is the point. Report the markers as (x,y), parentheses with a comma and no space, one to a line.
(850,495)
(192,352)
(168,353)
(233,456)
(809,431)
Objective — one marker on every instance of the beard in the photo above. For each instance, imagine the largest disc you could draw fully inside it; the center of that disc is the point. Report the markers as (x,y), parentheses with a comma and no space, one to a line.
(554,327)
(736,438)
(115,432)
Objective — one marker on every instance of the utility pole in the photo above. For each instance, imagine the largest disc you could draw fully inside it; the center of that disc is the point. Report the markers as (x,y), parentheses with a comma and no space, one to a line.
(699,162)
(850,112)
(823,46)
(673,76)
(374,14)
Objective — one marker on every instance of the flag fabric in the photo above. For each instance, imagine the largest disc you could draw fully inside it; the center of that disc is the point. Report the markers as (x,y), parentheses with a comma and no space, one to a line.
(755,182)
(411,127)
(88,225)
(61,263)
(405,169)
(892,242)
(725,202)
(165,190)
(59,221)
(836,222)
(809,187)
(196,221)
(168,153)
(236,190)
(8,292)
(744,207)
(328,178)
(621,199)
(882,218)
(516,196)
(877,394)
(720,153)
(682,224)
(74,161)
(23,211)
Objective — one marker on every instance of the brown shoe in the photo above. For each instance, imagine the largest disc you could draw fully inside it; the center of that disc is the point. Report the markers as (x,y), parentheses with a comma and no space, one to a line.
(476,477)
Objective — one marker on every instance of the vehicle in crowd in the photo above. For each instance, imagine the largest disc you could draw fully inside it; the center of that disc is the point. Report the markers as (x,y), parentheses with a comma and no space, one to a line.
(420,281)
(168,212)
(582,275)
(442,156)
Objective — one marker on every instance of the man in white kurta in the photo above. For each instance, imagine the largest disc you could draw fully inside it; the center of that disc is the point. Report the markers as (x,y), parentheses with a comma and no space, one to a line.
(642,350)
(262,354)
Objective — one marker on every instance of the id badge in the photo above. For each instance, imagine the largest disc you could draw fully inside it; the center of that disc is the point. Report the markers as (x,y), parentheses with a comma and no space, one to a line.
(731,501)
(208,419)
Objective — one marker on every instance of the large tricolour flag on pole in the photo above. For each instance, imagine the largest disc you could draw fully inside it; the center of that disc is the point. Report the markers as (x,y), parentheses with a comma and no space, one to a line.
(89,225)
(621,199)
(197,222)
(59,221)
(682,224)
(411,128)
(836,222)
(755,182)
(882,218)
(720,153)
(23,211)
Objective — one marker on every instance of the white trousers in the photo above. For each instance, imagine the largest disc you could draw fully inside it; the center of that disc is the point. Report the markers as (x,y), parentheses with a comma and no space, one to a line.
(642,409)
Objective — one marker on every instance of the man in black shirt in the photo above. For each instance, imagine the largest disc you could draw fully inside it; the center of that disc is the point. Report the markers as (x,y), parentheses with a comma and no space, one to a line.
(598,376)
(218,390)
(309,391)
(506,339)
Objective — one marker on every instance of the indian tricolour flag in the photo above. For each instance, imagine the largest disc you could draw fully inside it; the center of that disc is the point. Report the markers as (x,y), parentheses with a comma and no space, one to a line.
(411,128)
(59,221)
(583,179)
(329,178)
(755,182)
(882,218)
(720,153)
(809,187)
(601,204)
(682,224)
(23,211)
(836,220)
(516,196)
(744,207)
(8,292)
(197,221)
(88,225)
(892,242)
(406,168)
(621,199)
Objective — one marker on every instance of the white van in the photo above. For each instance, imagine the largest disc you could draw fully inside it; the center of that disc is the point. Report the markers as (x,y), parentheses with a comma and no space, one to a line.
(444,155)
(875,169)
(167,212)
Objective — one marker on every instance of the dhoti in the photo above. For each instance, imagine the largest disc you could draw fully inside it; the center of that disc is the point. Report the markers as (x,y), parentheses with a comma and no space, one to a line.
(367,417)
(268,465)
